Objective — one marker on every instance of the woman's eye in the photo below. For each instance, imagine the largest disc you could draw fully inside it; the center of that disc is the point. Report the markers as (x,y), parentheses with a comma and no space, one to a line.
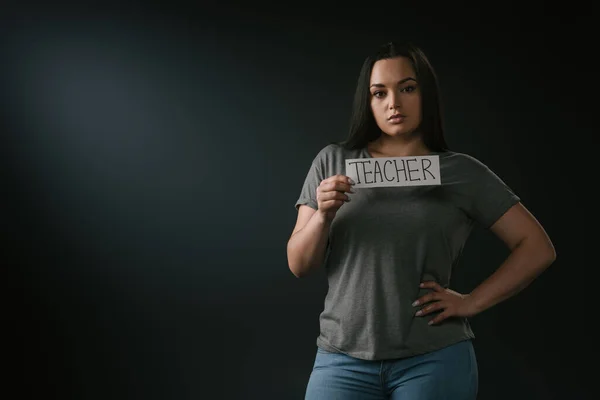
(408,89)
(378,94)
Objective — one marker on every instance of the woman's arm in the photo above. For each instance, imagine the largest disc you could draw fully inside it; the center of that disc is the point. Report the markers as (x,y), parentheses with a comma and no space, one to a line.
(531,253)
(308,243)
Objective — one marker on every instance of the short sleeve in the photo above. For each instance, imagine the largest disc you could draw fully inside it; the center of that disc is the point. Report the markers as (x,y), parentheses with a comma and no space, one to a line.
(308,194)
(490,196)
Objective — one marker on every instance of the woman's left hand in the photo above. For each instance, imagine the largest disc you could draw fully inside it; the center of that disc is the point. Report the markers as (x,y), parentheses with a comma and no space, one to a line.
(453,303)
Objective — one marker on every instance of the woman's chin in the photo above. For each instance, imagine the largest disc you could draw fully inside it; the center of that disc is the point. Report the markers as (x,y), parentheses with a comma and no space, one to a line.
(399,131)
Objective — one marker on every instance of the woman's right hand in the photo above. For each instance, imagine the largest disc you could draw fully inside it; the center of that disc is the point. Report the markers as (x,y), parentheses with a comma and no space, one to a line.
(331,194)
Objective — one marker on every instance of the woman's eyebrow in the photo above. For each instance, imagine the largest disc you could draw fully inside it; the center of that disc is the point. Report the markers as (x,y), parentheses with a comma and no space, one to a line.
(399,83)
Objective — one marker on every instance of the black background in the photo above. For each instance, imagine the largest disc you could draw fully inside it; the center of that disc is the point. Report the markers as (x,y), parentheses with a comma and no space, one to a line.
(154,154)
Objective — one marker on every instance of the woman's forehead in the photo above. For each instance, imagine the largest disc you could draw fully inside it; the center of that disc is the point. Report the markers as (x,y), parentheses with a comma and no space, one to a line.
(392,70)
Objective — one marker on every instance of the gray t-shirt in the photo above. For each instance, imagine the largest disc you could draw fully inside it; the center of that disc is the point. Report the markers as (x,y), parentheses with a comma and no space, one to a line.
(388,240)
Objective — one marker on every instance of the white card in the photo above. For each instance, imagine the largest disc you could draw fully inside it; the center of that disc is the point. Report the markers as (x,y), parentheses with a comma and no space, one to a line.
(394,171)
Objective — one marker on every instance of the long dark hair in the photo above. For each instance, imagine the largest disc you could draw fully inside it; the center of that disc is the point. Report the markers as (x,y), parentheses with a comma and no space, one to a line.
(364,129)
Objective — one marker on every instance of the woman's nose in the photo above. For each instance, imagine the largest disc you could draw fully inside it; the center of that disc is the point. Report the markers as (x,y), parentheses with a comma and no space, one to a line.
(393,101)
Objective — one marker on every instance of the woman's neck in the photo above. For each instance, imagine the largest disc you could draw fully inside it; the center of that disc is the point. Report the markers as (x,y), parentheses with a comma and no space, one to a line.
(396,147)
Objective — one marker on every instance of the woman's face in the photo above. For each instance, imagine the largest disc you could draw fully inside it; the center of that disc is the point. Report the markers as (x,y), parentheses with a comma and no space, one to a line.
(395,92)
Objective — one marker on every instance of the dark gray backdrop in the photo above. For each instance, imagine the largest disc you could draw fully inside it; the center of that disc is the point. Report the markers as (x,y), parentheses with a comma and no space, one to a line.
(154,155)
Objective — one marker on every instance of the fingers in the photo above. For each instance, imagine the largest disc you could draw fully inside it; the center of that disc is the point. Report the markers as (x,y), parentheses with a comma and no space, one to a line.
(339,178)
(432,285)
(427,298)
(331,195)
(440,300)
(439,318)
(337,182)
(331,192)
(436,297)
(438,305)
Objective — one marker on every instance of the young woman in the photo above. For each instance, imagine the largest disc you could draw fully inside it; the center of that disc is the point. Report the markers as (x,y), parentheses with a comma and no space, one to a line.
(391,327)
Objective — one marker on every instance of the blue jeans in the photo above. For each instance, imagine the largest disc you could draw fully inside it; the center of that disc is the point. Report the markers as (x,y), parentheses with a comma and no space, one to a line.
(446,374)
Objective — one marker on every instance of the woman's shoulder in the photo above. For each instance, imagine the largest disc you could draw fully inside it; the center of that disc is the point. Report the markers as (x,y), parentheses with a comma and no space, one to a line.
(462,160)
(334,152)
(464,167)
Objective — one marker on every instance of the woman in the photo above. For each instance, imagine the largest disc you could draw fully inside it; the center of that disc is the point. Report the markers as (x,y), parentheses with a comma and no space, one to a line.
(391,327)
